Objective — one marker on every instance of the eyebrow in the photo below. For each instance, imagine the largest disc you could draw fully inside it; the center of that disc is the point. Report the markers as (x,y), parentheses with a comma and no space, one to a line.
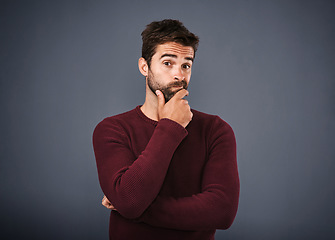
(175,56)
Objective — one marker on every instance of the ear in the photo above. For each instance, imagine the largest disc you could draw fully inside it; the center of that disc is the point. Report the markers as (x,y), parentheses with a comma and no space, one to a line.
(143,66)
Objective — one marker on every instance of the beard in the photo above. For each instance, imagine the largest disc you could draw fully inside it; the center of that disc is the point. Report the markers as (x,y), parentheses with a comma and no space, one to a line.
(167,90)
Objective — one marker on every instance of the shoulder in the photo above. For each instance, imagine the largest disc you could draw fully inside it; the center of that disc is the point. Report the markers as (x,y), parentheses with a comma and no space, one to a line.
(214,122)
(116,123)
(217,132)
(118,119)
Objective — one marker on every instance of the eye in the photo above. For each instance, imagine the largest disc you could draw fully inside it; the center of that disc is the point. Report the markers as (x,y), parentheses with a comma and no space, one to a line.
(167,63)
(186,66)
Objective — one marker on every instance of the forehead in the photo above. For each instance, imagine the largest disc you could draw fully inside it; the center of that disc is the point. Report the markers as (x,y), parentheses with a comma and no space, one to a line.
(175,48)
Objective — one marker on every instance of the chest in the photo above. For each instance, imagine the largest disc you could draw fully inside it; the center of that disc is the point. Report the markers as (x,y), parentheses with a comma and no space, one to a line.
(184,174)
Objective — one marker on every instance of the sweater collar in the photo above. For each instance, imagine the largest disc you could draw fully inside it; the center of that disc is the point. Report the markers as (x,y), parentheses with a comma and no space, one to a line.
(144,117)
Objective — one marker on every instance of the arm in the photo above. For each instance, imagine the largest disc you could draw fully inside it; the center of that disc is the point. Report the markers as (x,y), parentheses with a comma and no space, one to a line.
(216,206)
(132,184)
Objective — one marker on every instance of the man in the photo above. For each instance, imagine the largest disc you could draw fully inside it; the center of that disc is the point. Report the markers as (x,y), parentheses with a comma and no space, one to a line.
(167,171)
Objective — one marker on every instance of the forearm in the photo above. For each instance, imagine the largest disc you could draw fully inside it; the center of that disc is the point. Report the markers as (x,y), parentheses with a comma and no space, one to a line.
(130,183)
(212,209)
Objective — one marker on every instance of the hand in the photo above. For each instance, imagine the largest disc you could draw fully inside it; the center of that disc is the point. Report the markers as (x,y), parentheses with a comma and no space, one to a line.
(177,109)
(106,203)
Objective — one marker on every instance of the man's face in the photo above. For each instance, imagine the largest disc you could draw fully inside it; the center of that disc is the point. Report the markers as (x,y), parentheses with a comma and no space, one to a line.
(170,69)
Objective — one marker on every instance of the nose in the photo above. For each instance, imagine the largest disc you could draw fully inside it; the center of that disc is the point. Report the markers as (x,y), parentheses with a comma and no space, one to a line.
(178,75)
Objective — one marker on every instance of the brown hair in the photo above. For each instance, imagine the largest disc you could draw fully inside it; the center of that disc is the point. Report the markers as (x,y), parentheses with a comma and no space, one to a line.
(167,30)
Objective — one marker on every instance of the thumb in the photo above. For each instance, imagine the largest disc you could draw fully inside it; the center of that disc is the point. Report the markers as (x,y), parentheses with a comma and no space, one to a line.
(160,99)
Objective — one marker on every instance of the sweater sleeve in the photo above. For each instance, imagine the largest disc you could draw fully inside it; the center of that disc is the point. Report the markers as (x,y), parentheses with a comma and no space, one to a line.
(215,207)
(130,183)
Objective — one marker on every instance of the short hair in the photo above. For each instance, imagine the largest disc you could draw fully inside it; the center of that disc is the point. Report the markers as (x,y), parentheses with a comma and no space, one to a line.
(167,30)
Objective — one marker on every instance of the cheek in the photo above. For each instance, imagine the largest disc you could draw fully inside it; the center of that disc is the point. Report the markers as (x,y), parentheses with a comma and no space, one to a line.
(165,74)
(160,70)
(188,76)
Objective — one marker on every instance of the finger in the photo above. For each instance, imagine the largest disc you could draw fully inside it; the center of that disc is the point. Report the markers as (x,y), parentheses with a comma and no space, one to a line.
(181,94)
(108,205)
(104,199)
(160,99)
(111,207)
(105,204)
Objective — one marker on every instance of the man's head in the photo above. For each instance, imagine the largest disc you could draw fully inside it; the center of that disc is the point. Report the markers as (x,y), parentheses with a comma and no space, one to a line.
(164,31)
(167,56)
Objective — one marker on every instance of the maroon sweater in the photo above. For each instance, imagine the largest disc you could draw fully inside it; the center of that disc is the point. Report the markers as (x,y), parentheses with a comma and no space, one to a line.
(165,181)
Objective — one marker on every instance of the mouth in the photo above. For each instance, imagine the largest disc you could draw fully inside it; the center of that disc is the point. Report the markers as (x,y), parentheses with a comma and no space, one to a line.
(178,85)
(175,89)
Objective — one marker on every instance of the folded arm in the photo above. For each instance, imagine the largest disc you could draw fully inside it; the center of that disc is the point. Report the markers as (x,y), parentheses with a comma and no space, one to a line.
(216,205)
(131,183)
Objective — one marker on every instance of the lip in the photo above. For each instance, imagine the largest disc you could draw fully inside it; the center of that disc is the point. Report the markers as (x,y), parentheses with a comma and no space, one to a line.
(177,89)
(177,86)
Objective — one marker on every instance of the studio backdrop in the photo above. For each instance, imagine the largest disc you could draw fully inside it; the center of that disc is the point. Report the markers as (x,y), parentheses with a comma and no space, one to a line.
(265,67)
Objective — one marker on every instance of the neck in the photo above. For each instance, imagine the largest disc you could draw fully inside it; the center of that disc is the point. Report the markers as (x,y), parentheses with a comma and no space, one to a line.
(149,107)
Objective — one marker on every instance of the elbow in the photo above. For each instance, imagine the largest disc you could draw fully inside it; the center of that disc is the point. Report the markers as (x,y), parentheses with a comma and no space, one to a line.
(127,203)
(130,213)
(130,209)
(226,223)
(222,220)
(228,211)
(228,217)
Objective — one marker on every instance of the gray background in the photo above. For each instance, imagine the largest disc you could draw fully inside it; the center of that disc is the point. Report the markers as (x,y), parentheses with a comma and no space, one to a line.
(266,67)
